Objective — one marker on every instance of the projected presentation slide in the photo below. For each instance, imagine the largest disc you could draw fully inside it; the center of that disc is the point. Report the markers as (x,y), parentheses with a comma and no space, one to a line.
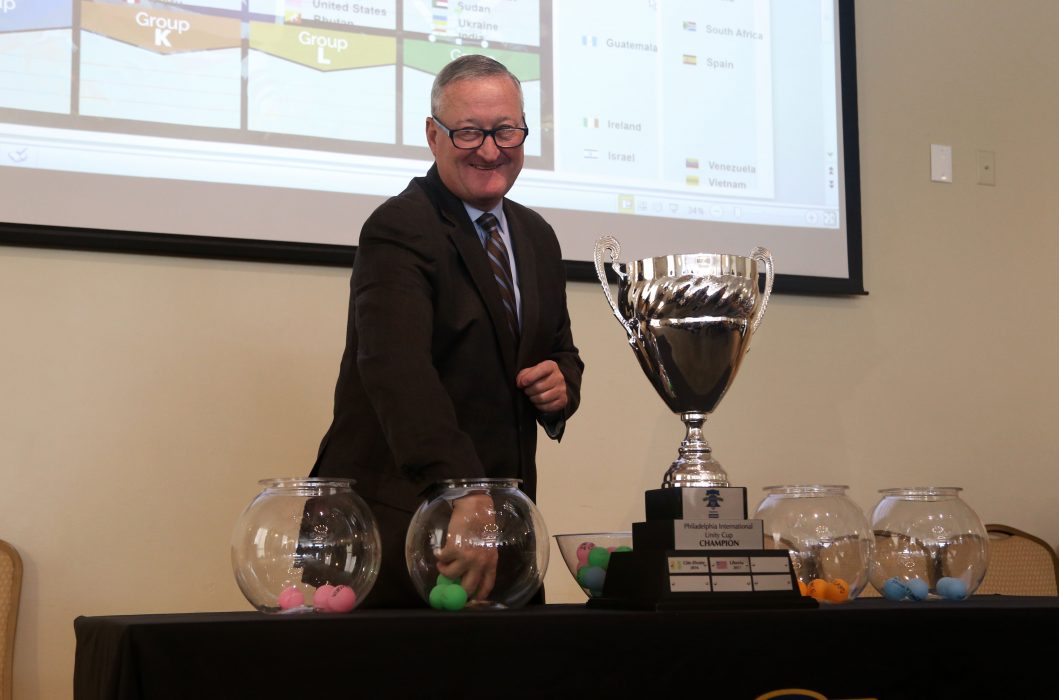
(36,51)
(704,110)
(353,76)
(160,66)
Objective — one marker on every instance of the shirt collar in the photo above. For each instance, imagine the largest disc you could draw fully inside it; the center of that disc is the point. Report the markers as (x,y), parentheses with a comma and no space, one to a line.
(497,211)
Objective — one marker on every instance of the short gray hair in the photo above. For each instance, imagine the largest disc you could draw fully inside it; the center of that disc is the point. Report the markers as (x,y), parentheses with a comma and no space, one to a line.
(468,67)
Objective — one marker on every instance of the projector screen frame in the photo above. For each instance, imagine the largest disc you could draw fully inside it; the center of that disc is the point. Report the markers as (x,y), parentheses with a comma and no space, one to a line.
(295,252)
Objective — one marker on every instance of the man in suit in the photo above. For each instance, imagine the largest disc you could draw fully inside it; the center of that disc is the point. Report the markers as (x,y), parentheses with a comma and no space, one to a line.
(452,359)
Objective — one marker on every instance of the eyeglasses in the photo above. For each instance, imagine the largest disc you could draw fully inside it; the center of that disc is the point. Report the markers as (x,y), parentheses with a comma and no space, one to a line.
(470,139)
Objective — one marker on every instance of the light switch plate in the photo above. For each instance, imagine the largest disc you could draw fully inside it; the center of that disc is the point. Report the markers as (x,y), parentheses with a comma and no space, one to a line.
(940,163)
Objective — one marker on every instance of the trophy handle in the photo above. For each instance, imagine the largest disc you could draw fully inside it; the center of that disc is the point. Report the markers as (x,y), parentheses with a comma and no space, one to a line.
(763,255)
(610,245)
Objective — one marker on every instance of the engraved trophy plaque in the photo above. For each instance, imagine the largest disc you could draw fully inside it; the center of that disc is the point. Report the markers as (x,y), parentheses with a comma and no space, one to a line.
(689,320)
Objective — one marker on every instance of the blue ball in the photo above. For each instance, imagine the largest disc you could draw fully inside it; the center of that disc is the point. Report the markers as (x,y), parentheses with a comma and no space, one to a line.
(591,577)
(952,588)
(918,589)
(895,589)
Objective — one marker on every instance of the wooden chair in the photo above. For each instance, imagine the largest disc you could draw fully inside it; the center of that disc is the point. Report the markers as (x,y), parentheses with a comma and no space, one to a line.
(10,591)
(1019,564)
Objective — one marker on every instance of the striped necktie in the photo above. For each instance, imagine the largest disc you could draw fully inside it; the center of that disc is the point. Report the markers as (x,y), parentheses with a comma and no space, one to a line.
(496,251)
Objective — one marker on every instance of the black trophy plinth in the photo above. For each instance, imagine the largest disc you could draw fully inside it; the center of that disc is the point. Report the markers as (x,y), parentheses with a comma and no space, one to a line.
(698,550)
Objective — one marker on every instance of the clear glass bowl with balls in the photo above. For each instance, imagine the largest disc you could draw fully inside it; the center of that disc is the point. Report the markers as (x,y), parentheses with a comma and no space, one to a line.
(929,545)
(826,534)
(587,556)
(478,544)
(306,545)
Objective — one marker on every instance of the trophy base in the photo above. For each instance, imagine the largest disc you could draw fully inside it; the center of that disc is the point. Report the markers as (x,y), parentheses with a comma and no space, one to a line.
(706,503)
(656,579)
(698,551)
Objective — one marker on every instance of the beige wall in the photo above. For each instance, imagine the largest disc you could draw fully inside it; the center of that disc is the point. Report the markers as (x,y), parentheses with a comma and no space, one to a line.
(141,398)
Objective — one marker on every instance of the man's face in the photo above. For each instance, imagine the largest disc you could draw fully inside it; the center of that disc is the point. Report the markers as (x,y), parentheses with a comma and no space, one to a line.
(480,177)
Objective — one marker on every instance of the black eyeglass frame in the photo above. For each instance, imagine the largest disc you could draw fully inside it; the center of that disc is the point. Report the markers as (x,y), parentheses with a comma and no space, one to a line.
(485,133)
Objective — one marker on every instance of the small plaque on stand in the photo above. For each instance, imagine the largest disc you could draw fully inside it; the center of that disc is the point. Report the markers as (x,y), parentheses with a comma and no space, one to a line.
(698,534)
(676,579)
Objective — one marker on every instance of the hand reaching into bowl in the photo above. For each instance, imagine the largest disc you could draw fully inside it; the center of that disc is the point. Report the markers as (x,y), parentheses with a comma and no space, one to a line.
(469,554)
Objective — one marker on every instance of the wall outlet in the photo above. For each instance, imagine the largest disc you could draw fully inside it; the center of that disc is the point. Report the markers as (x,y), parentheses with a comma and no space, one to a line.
(986,168)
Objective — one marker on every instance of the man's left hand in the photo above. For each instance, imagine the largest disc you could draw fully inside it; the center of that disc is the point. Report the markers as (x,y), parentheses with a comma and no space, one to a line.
(545,386)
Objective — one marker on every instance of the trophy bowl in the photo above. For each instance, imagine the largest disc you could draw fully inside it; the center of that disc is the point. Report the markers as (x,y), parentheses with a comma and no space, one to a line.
(689,321)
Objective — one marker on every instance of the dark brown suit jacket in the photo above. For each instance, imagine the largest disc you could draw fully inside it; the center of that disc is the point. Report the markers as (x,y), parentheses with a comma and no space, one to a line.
(426,389)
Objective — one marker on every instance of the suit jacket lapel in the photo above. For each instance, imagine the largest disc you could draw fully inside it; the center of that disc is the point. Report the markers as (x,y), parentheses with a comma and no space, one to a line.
(465,239)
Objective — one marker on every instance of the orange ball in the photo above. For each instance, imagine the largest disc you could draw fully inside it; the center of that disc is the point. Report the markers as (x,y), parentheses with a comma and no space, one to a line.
(838,591)
(803,588)
(818,588)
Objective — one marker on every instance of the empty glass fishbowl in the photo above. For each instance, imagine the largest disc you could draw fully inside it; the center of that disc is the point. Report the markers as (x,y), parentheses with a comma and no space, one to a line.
(826,534)
(477,543)
(929,544)
(304,545)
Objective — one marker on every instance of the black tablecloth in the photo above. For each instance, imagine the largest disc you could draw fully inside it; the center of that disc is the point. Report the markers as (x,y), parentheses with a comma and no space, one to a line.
(989,646)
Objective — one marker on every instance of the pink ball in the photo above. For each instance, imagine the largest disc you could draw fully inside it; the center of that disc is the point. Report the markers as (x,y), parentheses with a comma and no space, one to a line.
(582,552)
(291,597)
(342,599)
(322,597)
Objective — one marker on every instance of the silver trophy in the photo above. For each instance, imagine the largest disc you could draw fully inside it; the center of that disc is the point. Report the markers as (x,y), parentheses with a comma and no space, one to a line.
(689,319)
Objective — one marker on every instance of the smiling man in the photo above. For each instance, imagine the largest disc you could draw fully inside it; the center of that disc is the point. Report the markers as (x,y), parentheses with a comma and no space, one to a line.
(458,342)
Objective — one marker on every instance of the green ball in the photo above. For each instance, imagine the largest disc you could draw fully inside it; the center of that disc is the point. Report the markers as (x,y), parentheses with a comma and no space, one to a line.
(453,597)
(599,556)
(436,597)
(623,548)
(444,580)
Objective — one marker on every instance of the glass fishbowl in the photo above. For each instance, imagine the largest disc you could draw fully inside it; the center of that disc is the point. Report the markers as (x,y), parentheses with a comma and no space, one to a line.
(306,545)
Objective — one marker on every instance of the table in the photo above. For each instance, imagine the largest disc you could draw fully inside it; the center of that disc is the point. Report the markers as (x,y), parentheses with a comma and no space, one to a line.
(867,648)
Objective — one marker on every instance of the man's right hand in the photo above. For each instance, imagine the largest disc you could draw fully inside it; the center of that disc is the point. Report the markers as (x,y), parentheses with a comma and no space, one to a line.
(470,553)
